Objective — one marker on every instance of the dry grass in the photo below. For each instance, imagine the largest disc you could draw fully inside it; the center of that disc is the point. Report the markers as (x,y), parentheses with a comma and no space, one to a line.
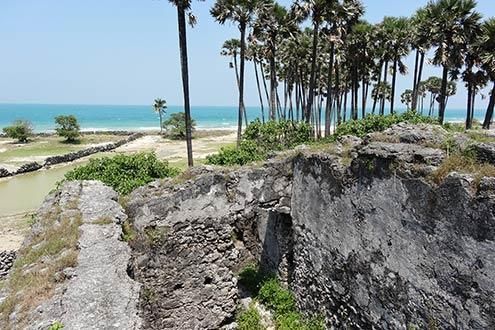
(463,164)
(105,220)
(39,265)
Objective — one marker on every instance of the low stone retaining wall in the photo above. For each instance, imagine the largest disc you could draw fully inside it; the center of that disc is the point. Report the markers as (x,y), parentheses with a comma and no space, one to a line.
(7,259)
(34,166)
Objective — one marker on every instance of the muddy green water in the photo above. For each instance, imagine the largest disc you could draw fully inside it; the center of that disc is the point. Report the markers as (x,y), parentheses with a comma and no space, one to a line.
(26,192)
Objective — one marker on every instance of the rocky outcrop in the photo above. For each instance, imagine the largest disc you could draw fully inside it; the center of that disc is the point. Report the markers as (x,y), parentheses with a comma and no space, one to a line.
(7,259)
(203,231)
(374,244)
(97,292)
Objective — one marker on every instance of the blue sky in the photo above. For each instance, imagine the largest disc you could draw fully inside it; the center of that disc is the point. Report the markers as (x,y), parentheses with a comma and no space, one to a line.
(126,52)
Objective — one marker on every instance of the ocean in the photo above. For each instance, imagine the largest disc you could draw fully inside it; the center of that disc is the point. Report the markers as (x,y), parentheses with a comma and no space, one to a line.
(141,117)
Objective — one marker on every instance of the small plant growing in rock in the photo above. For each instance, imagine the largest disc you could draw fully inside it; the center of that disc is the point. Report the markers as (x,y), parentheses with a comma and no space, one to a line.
(56,326)
(249,319)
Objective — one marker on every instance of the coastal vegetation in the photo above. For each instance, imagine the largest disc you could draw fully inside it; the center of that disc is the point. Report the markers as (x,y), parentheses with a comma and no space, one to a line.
(124,173)
(20,130)
(160,106)
(175,126)
(67,127)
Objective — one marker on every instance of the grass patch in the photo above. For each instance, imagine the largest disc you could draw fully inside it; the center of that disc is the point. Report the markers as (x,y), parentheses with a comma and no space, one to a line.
(269,291)
(463,163)
(249,319)
(128,233)
(105,220)
(38,266)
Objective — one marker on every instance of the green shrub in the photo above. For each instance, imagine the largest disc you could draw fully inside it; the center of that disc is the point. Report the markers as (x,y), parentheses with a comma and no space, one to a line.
(260,139)
(251,278)
(247,152)
(377,123)
(276,298)
(124,173)
(249,319)
(20,130)
(67,127)
(175,126)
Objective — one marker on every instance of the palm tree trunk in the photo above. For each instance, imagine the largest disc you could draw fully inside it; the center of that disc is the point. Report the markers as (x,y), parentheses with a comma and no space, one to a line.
(394,79)
(469,122)
(420,73)
(443,95)
(416,65)
(273,80)
(375,98)
(262,69)
(312,79)
(385,76)
(259,91)
(161,122)
(329,91)
(242,110)
(489,110)
(181,20)
(236,69)
(363,98)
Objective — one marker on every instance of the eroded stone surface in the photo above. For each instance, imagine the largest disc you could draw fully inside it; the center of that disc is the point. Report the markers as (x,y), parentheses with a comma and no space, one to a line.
(97,293)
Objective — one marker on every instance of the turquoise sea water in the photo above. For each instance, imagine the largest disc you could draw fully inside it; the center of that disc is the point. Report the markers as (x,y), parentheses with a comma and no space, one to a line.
(139,117)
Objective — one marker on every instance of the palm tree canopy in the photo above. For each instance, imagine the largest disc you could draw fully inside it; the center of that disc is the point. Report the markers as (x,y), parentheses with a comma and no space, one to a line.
(240,11)
(159,105)
(231,47)
(487,48)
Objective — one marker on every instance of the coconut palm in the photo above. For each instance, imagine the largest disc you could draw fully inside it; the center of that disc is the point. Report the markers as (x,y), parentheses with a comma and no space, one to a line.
(183,9)
(487,58)
(240,12)
(160,106)
(454,24)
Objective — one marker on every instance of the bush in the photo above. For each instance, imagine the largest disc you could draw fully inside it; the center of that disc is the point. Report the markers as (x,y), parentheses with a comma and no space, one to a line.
(247,152)
(124,173)
(249,319)
(260,139)
(276,298)
(377,123)
(20,130)
(67,127)
(175,126)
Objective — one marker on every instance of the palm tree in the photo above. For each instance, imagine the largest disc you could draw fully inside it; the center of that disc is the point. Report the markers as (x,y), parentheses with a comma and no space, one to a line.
(400,40)
(183,8)
(302,10)
(454,24)
(272,21)
(487,57)
(160,106)
(406,98)
(240,12)
(421,42)
(231,48)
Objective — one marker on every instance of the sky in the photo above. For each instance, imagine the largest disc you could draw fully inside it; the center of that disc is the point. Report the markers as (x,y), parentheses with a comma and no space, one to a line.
(126,52)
